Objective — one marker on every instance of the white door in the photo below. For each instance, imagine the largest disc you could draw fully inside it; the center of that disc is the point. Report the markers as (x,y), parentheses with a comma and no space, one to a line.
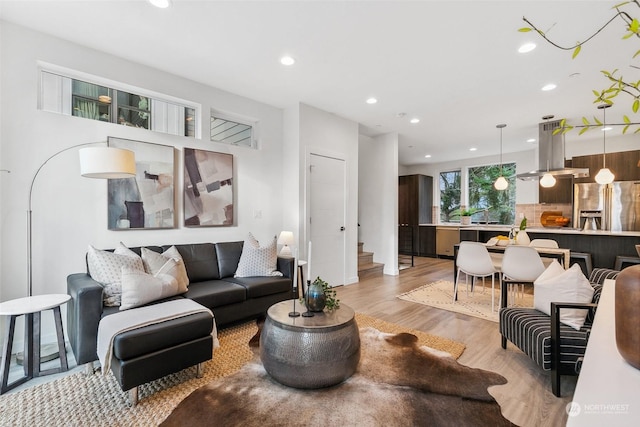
(327,213)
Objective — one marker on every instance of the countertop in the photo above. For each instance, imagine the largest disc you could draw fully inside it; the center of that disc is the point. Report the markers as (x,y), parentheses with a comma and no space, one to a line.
(551,230)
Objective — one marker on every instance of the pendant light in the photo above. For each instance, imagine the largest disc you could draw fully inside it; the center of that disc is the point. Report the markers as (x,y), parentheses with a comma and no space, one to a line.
(548,180)
(501,183)
(604,175)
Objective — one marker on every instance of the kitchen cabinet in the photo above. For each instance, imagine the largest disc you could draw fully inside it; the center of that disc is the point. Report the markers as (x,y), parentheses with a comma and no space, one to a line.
(427,241)
(624,165)
(562,192)
(415,200)
(446,238)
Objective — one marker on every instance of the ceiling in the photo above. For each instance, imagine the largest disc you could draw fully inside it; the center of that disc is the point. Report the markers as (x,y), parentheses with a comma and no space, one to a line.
(452,64)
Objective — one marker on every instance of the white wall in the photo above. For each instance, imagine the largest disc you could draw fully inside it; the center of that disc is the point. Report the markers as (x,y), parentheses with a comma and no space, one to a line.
(378,199)
(324,133)
(70,212)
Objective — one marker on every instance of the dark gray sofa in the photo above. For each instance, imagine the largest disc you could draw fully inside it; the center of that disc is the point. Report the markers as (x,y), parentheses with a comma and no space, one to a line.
(210,267)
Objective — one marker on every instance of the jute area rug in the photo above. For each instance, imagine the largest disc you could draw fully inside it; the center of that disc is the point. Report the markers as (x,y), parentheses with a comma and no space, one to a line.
(97,400)
(477,304)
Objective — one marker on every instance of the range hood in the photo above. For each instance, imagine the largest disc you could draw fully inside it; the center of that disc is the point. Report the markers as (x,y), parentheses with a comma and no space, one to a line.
(551,154)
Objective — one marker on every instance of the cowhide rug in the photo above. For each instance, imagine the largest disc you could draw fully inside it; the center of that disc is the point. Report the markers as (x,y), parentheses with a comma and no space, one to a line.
(397,384)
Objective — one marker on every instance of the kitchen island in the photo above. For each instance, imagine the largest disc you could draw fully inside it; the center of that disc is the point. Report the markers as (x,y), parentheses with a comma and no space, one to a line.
(604,246)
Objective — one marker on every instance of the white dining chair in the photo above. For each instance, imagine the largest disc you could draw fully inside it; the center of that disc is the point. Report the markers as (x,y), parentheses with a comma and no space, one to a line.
(544,243)
(521,265)
(473,260)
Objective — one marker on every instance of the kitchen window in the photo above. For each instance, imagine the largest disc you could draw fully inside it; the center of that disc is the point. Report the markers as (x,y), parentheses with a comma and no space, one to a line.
(499,205)
(450,194)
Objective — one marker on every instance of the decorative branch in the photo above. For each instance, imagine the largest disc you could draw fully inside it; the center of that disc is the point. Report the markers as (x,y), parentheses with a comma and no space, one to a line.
(619,85)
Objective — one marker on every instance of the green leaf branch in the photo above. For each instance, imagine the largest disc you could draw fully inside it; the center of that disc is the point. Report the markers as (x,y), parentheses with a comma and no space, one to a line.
(618,84)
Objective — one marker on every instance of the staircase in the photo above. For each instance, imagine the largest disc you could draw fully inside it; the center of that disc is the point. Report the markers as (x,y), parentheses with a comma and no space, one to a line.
(366,267)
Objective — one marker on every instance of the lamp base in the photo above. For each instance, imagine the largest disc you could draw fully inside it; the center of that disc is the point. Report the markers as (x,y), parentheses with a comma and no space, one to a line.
(285,252)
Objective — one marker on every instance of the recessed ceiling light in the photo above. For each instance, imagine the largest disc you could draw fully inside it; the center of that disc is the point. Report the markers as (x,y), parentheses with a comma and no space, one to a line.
(287,60)
(606,129)
(472,149)
(531,140)
(414,120)
(527,47)
(162,4)
(548,87)
(371,100)
(428,156)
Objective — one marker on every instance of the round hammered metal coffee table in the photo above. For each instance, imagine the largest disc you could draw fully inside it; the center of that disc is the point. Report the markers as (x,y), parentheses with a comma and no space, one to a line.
(310,352)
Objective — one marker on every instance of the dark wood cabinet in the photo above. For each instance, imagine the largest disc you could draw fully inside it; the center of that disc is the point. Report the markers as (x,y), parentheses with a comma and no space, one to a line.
(415,200)
(624,165)
(427,236)
(562,192)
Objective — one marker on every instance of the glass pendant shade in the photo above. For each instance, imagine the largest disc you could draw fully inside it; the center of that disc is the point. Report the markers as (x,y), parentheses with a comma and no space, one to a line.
(547,180)
(501,183)
(604,176)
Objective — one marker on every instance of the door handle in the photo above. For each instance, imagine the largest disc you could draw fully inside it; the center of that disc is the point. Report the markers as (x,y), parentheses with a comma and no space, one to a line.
(342,228)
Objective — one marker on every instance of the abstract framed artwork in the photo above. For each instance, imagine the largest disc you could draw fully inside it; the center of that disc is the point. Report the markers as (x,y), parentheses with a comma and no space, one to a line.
(208,189)
(145,201)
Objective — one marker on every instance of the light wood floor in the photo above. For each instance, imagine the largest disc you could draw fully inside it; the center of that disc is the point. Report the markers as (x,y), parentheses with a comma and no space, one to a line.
(526,399)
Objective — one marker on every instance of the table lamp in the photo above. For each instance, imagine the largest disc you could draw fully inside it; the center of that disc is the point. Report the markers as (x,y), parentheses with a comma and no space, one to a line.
(285,239)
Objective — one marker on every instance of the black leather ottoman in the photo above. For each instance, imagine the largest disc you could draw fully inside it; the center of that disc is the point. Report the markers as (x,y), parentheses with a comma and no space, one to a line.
(151,352)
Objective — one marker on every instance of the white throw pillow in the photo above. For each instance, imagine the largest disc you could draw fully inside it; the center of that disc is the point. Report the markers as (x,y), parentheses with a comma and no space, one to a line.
(139,288)
(563,286)
(154,261)
(106,268)
(256,260)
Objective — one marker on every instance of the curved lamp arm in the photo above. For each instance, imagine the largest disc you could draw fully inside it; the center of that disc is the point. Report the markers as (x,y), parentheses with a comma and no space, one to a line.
(95,162)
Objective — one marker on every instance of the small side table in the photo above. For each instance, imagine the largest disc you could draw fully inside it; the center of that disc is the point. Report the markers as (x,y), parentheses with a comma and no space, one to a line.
(31,308)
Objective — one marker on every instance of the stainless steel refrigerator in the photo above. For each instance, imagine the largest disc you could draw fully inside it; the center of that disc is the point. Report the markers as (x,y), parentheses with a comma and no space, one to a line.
(613,207)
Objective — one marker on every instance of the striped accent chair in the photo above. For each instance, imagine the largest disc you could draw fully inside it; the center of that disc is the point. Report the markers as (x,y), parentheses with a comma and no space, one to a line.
(550,344)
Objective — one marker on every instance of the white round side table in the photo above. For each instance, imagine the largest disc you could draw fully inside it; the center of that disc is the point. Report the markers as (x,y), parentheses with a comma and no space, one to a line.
(31,308)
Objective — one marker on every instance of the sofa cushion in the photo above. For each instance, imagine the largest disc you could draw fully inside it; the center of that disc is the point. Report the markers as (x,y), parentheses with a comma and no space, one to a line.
(140,288)
(200,261)
(105,268)
(257,260)
(215,293)
(160,336)
(155,262)
(559,285)
(228,257)
(261,286)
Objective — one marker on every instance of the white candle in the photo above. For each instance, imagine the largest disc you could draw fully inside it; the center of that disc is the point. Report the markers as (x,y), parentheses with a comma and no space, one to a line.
(309,263)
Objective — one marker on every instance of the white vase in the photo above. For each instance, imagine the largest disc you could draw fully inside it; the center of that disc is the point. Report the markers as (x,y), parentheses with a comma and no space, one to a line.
(522,238)
(465,220)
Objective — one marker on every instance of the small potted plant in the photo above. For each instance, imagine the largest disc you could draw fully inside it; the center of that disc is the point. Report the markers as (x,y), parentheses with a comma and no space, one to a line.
(465,215)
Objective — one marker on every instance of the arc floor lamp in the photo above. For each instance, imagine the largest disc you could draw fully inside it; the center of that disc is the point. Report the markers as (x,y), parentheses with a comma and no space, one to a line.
(95,162)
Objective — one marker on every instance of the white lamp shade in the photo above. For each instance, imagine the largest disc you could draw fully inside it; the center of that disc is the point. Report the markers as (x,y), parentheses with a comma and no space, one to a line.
(605,176)
(286,238)
(501,183)
(547,180)
(107,162)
